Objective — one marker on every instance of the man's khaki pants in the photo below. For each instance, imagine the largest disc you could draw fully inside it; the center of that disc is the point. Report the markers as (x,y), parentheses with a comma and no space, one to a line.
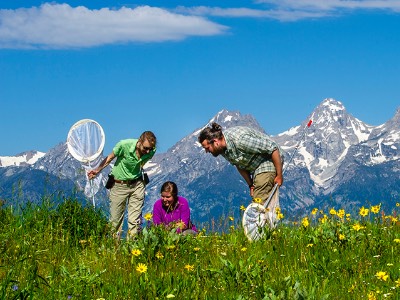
(131,196)
(263,185)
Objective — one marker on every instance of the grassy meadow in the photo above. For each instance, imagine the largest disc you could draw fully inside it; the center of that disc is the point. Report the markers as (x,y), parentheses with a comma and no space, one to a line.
(67,252)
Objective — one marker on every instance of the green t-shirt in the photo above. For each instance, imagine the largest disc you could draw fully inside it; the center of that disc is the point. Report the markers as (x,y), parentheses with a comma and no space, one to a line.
(128,165)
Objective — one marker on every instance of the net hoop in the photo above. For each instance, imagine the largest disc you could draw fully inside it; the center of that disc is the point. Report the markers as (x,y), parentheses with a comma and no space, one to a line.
(77,139)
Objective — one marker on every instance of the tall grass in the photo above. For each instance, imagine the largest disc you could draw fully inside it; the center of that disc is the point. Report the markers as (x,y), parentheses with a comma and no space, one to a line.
(67,252)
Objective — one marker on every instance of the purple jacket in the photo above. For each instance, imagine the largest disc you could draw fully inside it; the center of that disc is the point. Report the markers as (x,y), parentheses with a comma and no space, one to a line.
(180,213)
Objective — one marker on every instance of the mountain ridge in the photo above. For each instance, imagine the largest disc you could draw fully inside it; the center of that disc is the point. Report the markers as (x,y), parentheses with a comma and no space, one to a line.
(338,156)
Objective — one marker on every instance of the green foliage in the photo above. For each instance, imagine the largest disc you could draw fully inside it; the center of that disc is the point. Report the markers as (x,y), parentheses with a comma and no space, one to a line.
(66,252)
(81,223)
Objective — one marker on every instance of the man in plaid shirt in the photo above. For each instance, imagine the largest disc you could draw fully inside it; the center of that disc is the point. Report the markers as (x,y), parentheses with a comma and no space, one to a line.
(256,157)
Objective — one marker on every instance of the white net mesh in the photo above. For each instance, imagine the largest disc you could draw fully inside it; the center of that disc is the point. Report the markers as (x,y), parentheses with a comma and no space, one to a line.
(257,216)
(93,185)
(86,140)
(85,143)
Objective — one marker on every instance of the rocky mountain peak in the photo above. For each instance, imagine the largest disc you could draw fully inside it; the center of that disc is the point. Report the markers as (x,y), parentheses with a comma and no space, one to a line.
(227,119)
(327,141)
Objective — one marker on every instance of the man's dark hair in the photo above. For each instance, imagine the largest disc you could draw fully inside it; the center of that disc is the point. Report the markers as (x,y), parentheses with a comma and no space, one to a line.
(210,133)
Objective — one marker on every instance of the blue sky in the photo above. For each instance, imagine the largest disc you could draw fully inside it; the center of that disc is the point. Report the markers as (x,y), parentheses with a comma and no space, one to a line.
(170,66)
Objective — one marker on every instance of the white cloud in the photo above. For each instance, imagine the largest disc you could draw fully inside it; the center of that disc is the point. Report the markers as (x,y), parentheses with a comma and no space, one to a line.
(332,5)
(58,26)
(62,26)
(293,10)
(276,14)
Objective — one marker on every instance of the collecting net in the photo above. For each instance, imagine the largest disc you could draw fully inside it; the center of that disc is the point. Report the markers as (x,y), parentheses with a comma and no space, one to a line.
(257,216)
(85,143)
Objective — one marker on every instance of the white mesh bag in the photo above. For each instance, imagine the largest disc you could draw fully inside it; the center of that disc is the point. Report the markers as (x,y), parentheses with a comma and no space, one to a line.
(257,216)
(85,143)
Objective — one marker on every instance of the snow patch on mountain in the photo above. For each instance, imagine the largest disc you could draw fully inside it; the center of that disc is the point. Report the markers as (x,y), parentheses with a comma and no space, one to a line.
(22,159)
(228,118)
(361,130)
(152,168)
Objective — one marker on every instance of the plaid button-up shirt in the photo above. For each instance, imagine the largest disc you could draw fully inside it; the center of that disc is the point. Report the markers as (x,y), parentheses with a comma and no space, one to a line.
(250,149)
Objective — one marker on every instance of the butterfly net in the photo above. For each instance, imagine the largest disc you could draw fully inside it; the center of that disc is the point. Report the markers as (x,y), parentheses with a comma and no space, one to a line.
(257,216)
(85,143)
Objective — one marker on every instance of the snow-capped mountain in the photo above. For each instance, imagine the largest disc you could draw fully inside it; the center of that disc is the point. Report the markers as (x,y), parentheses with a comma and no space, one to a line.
(22,159)
(337,149)
(326,142)
(337,161)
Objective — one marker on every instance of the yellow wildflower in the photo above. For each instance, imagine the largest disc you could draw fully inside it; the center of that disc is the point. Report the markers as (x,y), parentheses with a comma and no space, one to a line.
(341,213)
(394,220)
(314,211)
(396,240)
(305,222)
(341,236)
(309,245)
(382,275)
(180,224)
(148,216)
(351,289)
(358,227)
(324,219)
(189,267)
(244,249)
(196,248)
(141,268)
(398,204)
(332,211)
(364,211)
(375,209)
(159,255)
(371,296)
(257,200)
(280,216)
(136,252)
(242,207)
(397,282)
(169,296)
(231,218)
(170,247)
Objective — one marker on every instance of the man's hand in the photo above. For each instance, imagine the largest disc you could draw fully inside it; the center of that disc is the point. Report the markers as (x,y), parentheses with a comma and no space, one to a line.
(279,180)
